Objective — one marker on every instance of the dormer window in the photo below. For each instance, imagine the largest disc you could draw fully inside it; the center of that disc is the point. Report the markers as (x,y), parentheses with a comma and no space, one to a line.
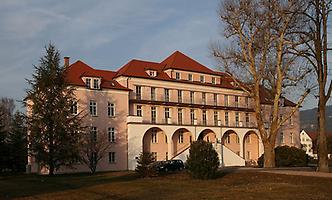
(281,102)
(201,78)
(88,82)
(177,75)
(151,73)
(96,84)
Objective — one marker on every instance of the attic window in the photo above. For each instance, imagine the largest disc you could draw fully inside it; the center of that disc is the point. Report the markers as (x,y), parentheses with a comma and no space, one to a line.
(281,101)
(213,80)
(152,73)
(201,79)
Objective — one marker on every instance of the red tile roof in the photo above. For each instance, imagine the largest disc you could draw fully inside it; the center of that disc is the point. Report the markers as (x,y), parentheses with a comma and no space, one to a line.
(179,61)
(79,69)
(138,68)
(313,134)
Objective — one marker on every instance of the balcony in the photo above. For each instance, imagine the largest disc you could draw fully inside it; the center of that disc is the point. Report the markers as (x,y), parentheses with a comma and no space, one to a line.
(206,105)
(169,121)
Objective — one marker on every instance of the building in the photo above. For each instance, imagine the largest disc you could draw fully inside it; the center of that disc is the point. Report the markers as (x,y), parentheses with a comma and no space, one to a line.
(161,107)
(309,143)
(306,143)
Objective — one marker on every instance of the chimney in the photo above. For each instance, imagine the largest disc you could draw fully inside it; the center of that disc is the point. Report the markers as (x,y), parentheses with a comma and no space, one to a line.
(66,61)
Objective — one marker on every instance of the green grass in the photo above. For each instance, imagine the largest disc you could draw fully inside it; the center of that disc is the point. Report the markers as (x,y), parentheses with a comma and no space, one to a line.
(126,185)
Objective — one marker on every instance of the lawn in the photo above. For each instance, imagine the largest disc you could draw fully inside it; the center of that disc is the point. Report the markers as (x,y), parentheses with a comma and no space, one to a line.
(126,185)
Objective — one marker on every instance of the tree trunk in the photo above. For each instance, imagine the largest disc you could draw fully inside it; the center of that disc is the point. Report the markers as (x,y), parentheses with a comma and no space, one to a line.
(51,170)
(322,143)
(269,155)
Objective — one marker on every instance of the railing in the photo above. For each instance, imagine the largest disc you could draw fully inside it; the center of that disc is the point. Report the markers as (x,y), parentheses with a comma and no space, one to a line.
(179,151)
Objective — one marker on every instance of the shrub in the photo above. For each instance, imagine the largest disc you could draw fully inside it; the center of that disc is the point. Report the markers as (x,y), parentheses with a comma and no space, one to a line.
(203,161)
(143,163)
(286,156)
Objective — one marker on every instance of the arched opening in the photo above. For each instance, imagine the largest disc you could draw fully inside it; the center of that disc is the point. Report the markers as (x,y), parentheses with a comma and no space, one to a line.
(208,136)
(181,139)
(251,146)
(155,141)
(232,141)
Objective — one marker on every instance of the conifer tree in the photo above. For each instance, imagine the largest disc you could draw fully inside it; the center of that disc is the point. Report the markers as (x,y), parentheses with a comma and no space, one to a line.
(3,143)
(17,141)
(53,130)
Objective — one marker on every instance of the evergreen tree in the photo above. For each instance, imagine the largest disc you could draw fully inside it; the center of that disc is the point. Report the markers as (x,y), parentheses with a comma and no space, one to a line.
(17,142)
(203,161)
(54,131)
(3,142)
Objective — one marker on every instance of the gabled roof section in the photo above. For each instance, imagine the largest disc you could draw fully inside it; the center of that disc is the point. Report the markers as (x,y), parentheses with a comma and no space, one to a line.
(182,62)
(137,68)
(79,69)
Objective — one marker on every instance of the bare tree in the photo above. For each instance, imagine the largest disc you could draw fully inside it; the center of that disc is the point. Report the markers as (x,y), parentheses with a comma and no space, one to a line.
(261,32)
(315,38)
(95,147)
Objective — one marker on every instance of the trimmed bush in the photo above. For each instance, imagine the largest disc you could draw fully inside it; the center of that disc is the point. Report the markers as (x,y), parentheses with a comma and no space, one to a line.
(286,156)
(143,165)
(203,161)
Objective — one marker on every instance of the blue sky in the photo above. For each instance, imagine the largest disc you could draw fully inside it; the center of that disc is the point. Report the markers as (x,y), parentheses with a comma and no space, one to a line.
(105,34)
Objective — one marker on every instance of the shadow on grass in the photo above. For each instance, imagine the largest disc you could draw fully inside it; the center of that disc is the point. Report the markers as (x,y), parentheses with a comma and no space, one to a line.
(31,184)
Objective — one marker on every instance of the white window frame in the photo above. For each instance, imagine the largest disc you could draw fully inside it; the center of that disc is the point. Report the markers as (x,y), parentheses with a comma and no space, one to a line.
(177,75)
(139,110)
(111,157)
(93,108)
(111,134)
(111,109)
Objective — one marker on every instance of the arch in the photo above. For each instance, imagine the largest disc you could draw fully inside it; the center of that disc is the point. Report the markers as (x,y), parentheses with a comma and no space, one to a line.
(181,140)
(251,146)
(155,141)
(208,135)
(231,140)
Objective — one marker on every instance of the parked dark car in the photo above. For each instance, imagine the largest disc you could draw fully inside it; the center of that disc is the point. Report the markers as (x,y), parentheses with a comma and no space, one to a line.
(169,165)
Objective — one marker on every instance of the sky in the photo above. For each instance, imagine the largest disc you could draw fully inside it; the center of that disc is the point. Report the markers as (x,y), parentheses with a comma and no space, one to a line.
(105,34)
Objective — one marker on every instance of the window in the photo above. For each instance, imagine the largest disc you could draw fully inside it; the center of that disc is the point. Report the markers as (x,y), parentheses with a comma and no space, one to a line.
(179,116)
(180,137)
(111,109)
(138,92)
(153,114)
(177,75)
(139,110)
(204,117)
(192,116)
(291,138)
(166,157)
(247,120)
(215,99)
(236,101)
(282,141)
(93,108)
(180,96)
(237,139)
(153,94)
(226,100)
(213,80)
(247,139)
(73,108)
(154,136)
(88,82)
(166,139)
(111,134)
(215,118)
(226,119)
(153,73)
(248,155)
(247,102)
(203,98)
(166,95)
(291,122)
(192,95)
(154,155)
(201,78)
(228,139)
(95,83)
(93,133)
(236,119)
(190,77)
(111,157)
(166,115)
